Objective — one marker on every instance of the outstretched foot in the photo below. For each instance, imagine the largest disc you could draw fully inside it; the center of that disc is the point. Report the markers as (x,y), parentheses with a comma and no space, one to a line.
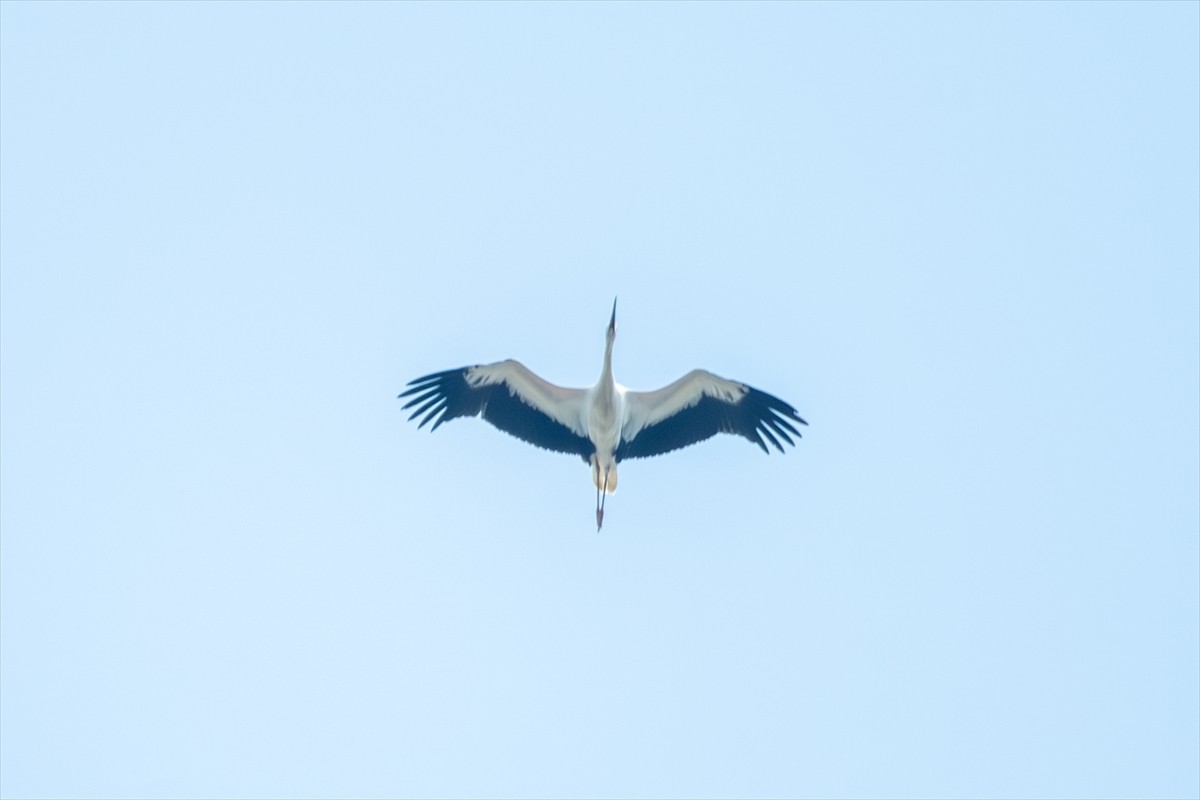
(599,518)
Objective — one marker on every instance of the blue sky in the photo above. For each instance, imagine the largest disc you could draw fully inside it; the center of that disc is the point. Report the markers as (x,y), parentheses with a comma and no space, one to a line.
(962,239)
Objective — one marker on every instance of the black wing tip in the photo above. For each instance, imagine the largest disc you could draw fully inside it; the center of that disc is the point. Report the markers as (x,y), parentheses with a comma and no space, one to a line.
(775,418)
(433,396)
(425,380)
(431,381)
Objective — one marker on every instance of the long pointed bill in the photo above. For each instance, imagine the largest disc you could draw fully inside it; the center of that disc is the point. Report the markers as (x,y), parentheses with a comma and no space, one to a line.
(612,322)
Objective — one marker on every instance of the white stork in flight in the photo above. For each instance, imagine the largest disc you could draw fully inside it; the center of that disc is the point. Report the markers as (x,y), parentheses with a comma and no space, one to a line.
(606,423)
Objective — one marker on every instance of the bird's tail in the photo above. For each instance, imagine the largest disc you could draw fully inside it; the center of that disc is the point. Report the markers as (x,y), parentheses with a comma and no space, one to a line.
(607,484)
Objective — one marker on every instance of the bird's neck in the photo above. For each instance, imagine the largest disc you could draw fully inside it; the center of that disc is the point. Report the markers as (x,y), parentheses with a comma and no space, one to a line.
(606,377)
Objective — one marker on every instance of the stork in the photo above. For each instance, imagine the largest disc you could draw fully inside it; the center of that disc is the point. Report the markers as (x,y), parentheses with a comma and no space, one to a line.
(606,423)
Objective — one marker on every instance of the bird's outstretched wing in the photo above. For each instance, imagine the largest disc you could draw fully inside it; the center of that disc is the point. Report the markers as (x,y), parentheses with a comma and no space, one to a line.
(697,407)
(510,397)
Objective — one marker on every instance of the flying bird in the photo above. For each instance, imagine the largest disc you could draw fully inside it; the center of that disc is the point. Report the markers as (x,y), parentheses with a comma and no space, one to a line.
(608,422)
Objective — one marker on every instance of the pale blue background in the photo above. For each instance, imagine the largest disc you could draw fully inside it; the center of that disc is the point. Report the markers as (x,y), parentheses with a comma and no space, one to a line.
(961,239)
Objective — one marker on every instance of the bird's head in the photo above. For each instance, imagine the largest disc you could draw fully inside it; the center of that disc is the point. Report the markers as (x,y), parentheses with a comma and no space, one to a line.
(611,333)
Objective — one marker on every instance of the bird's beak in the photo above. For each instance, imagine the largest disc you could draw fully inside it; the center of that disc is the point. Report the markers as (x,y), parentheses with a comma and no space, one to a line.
(612,322)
